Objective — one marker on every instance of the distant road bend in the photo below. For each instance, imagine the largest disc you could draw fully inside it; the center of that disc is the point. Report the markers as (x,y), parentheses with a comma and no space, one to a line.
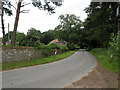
(53,75)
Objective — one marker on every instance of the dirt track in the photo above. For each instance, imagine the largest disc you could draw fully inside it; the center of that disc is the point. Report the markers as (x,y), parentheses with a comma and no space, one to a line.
(100,77)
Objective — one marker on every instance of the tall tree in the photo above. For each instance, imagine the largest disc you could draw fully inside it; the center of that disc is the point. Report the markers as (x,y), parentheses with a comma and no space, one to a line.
(47,37)
(34,34)
(16,22)
(68,28)
(36,3)
(101,22)
(5,7)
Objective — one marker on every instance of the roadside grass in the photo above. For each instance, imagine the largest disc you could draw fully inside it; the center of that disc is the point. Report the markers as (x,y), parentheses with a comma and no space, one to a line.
(0,66)
(14,65)
(104,59)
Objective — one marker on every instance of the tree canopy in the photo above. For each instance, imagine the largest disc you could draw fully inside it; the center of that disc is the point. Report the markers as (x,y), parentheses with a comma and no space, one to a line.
(100,23)
(94,32)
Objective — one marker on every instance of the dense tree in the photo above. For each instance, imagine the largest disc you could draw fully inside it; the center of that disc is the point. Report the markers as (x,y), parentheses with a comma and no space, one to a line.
(31,39)
(19,37)
(34,37)
(69,22)
(69,28)
(100,23)
(34,34)
(94,32)
(47,37)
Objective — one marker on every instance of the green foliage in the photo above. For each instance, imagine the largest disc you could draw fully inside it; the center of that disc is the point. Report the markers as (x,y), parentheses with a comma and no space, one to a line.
(100,23)
(73,46)
(103,57)
(34,34)
(29,42)
(32,39)
(69,21)
(47,52)
(64,48)
(114,49)
(95,32)
(47,49)
(49,46)
(47,36)
(99,50)
(20,37)
(48,5)
(70,46)
(69,28)
(76,46)
(53,46)
(40,46)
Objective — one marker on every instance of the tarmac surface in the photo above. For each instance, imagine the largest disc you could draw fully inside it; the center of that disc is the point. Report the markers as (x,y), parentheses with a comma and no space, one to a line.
(53,75)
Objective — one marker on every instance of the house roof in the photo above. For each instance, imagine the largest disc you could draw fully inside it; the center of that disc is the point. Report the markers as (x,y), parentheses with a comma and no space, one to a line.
(56,40)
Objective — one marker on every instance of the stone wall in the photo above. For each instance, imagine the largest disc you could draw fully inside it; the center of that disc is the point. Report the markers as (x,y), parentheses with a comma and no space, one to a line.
(20,54)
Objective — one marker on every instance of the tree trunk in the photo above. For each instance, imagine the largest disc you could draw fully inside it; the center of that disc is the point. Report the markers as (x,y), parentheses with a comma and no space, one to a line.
(3,28)
(16,23)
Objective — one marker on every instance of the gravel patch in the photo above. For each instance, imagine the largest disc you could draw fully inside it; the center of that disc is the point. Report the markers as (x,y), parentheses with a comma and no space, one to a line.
(100,77)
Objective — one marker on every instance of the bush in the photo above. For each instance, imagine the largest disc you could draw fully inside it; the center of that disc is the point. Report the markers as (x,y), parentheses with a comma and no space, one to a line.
(49,46)
(72,46)
(27,42)
(64,48)
(104,59)
(53,46)
(114,49)
(99,50)
(39,46)
(49,49)
(47,52)
(76,46)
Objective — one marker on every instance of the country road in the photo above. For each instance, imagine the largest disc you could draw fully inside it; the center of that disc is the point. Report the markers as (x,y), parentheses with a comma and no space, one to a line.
(53,75)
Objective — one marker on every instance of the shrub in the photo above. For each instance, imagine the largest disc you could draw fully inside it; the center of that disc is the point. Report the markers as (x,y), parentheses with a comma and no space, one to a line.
(53,46)
(99,50)
(76,46)
(114,49)
(49,49)
(72,46)
(47,52)
(39,46)
(26,41)
(64,48)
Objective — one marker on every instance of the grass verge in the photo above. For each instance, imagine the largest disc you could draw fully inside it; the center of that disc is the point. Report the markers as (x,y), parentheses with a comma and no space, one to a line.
(14,65)
(104,59)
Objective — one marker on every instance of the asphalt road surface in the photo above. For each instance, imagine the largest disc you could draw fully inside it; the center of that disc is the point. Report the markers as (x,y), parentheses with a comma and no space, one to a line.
(53,75)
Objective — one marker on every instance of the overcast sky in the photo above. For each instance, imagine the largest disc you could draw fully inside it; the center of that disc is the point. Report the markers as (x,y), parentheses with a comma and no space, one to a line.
(42,21)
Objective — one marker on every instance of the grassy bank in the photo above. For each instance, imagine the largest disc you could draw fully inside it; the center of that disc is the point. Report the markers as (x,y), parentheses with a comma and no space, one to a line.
(13,65)
(104,59)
